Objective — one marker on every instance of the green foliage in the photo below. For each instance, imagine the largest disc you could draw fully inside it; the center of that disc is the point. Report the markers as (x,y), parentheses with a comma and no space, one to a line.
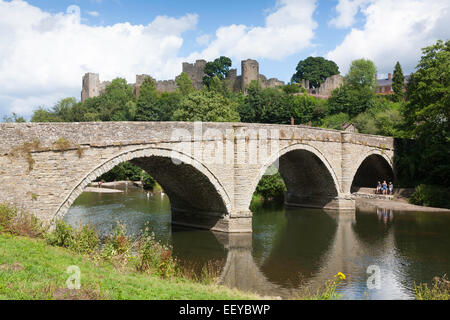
(398,82)
(316,70)
(292,88)
(147,104)
(217,68)
(14,118)
(184,84)
(335,121)
(61,236)
(123,172)
(351,100)
(274,106)
(153,257)
(17,222)
(117,245)
(206,106)
(431,196)
(326,292)
(44,271)
(385,118)
(271,187)
(85,240)
(439,290)
(148,182)
(427,114)
(362,73)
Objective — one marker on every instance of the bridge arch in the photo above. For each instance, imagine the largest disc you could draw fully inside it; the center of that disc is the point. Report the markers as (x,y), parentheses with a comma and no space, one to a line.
(375,165)
(308,175)
(191,187)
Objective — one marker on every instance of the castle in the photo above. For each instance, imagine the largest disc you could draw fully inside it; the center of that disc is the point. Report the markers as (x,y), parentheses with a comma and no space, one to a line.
(92,87)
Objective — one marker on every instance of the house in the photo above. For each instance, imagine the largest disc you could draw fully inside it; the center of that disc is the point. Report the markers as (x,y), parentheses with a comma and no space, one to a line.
(349,127)
(384,86)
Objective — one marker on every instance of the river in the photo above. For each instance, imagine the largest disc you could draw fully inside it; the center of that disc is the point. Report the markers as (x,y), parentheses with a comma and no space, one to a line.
(292,249)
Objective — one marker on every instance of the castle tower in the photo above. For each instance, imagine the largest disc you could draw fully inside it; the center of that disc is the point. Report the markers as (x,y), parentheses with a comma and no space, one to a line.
(250,72)
(196,72)
(140,78)
(90,86)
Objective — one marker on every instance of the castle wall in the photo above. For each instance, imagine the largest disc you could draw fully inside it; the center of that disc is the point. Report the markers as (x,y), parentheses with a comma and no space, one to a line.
(196,72)
(330,84)
(92,87)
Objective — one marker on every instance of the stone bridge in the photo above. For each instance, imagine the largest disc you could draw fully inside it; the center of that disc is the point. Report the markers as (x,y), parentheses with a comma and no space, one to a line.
(209,170)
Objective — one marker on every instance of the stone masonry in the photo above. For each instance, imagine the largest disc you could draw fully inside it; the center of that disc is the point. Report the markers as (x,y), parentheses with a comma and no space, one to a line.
(209,171)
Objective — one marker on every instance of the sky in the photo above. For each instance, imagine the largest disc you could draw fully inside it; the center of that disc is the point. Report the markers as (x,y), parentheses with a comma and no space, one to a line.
(46,46)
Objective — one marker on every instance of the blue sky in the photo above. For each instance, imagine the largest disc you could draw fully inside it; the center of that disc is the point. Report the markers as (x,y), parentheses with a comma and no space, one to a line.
(49,45)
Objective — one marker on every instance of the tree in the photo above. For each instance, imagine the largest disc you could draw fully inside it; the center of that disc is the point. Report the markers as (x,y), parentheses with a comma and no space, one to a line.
(184,84)
(207,106)
(362,73)
(351,99)
(217,68)
(316,70)
(427,114)
(147,103)
(398,82)
(14,118)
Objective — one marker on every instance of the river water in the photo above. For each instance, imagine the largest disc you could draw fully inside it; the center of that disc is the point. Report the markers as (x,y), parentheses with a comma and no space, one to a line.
(291,250)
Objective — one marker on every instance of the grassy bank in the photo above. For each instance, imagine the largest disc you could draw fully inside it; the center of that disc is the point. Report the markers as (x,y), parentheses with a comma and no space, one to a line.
(33,265)
(32,269)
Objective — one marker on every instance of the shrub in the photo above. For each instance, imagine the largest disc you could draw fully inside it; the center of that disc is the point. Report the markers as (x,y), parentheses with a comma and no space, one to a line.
(440,290)
(18,222)
(117,246)
(271,187)
(153,257)
(61,236)
(85,240)
(431,196)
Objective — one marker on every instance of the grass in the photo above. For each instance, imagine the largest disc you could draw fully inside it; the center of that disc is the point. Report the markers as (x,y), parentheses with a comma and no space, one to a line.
(31,269)
(33,265)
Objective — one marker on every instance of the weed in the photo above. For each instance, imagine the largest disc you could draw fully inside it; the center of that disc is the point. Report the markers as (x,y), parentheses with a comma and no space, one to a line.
(17,222)
(62,144)
(440,290)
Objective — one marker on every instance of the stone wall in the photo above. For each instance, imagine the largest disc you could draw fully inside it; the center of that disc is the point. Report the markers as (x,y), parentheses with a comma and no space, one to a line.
(330,84)
(45,177)
(196,71)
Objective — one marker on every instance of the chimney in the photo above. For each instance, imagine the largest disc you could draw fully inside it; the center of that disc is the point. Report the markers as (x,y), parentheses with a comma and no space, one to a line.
(389,76)
(376,76)
(292,121)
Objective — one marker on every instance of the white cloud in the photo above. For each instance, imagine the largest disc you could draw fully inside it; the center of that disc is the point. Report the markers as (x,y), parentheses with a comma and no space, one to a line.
(93,13)
(347,10)
(395,30)
(288,29)
(43,56)
(203,40)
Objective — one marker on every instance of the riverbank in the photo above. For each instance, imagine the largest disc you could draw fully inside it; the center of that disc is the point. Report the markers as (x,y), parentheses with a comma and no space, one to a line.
(396,204)
(102,190)
(30,269)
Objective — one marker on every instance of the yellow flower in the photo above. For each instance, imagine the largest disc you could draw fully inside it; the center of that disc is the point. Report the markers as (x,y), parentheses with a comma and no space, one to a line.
(340,275)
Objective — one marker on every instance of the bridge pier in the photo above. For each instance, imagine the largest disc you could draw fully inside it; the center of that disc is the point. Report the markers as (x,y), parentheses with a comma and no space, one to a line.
(233,223)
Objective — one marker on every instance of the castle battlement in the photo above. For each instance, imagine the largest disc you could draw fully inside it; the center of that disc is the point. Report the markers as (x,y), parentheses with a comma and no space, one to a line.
(93,87)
